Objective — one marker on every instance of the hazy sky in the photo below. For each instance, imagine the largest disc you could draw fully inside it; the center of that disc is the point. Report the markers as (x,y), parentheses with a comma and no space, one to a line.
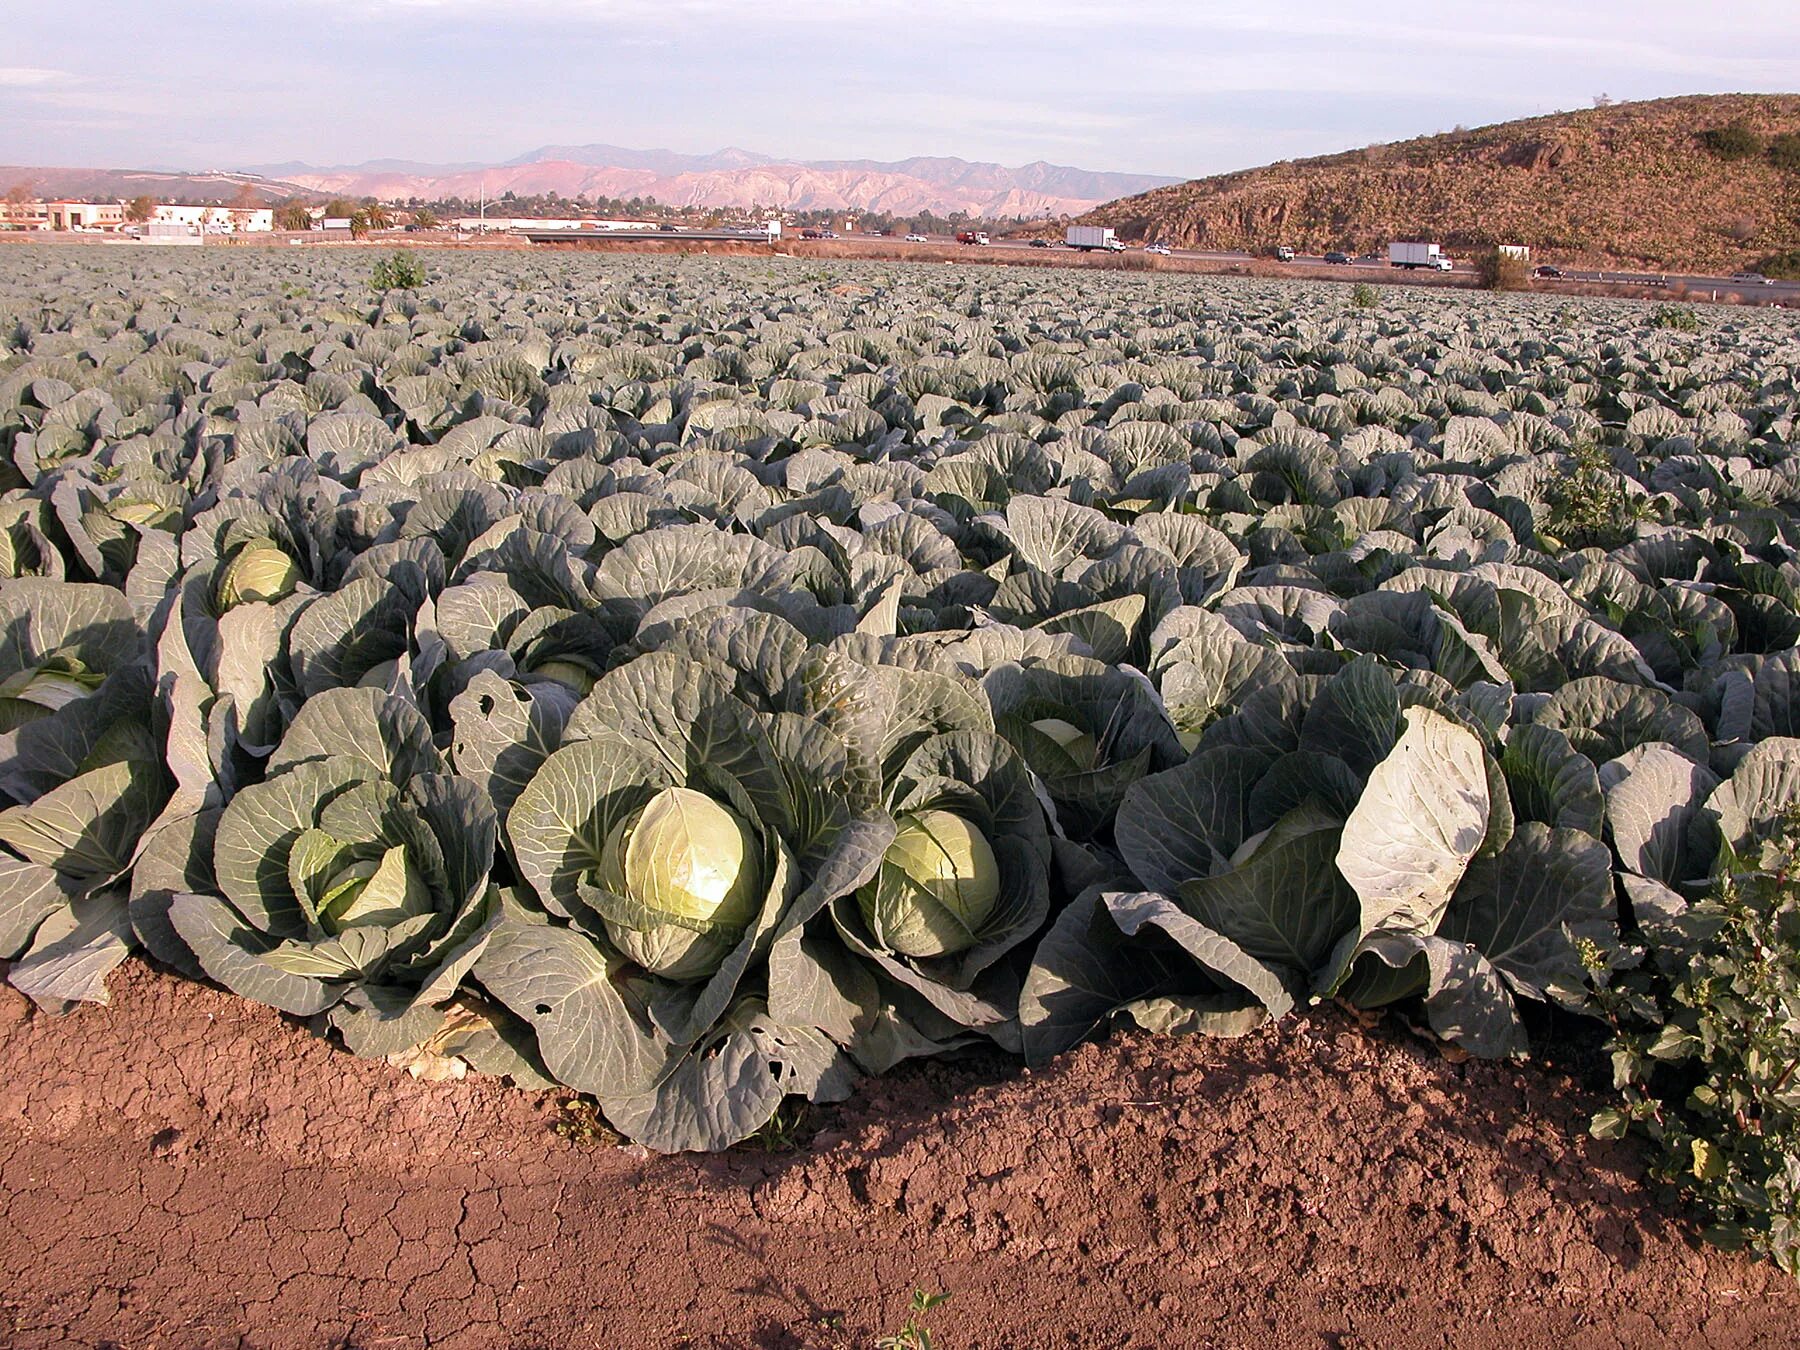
(1154,87)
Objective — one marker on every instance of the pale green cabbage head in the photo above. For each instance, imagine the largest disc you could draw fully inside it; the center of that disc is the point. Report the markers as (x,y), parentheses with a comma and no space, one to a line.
(690,871)
(1080,746)
(937,887)
(258,571)
(377,892)
(570,673)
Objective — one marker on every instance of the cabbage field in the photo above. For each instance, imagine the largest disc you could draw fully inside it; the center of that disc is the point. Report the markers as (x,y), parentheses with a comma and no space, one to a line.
(696,682)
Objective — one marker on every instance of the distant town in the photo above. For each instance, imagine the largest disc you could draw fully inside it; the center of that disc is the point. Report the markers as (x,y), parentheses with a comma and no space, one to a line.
(150,219)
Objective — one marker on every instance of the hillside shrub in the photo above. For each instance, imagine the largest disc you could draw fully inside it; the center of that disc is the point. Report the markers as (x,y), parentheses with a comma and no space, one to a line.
(1784,151)
(1733,141)
(1741,229)
(1786,265)
(398,272)
(1706,1047)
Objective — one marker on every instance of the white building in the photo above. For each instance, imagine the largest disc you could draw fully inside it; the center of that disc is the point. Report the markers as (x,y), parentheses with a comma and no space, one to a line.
(492,223)
(66,215)
(24,216)
(217,219)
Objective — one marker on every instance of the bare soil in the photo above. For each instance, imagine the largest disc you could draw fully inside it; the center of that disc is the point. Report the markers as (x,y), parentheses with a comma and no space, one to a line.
(189,1170)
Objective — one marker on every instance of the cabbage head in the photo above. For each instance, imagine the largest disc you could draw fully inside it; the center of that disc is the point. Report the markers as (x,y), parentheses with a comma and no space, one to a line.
(261,570)
(689,873)
(668,840)
(937,887)
(963,881)
(1088,730)
(353,880)
(84,776)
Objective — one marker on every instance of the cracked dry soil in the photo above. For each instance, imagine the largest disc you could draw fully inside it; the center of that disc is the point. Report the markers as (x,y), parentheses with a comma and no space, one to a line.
(185,1169)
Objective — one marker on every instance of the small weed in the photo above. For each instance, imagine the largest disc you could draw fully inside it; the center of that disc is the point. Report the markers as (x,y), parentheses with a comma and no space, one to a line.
(398,272)
(1706,1047)
(580,1123)
(782,1132)
(1365,296)
(1591,506)
(913,1333)
(1680,318)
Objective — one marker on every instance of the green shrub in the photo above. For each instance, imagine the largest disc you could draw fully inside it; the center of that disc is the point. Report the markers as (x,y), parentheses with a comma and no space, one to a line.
(1503,271)
(1733,141)
(1706,1049)
(398,272)
(1784,150)
(1365,296)
(1784,265)
(1590,507)
(1680,318)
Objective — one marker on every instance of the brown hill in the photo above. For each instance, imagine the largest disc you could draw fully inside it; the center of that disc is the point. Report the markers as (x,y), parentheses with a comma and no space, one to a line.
(1632,184)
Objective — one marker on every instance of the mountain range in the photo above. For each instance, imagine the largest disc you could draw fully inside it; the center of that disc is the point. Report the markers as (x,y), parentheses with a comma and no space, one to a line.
(734,177)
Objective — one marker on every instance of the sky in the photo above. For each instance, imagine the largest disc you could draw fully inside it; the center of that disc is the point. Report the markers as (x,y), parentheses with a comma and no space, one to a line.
(1148,87)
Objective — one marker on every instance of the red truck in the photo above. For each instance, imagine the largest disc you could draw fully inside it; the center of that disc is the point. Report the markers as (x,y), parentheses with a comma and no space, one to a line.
(971,236)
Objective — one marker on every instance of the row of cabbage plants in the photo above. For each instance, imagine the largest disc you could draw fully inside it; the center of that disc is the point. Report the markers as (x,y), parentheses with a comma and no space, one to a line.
(696,683)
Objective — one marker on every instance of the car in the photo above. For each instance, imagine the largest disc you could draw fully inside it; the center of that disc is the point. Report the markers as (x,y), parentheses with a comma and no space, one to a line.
(810,233)
(667,228)
(1547,272)
(1161,250)
(1752,278)
(1369,257)
(1336,257)
(1040,243)
(917,239)
(828,234)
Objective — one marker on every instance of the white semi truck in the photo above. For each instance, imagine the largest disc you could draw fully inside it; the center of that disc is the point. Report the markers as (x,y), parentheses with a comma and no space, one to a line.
(1414,256)
(1087,238)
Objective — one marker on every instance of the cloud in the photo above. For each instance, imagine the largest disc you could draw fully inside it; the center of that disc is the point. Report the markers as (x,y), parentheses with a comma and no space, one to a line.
(1164,86)
(29,77)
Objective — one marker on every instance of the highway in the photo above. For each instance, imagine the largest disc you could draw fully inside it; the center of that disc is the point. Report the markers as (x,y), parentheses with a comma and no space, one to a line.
(1368,269)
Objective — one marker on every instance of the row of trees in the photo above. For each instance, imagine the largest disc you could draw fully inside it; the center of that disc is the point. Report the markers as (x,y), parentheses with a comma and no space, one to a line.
(367,213)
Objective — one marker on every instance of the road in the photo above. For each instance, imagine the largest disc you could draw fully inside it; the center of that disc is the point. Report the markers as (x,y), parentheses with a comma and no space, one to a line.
(1702,287)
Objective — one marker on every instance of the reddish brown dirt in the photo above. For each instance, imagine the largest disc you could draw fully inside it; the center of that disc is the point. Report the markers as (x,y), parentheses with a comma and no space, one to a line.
(187,1170)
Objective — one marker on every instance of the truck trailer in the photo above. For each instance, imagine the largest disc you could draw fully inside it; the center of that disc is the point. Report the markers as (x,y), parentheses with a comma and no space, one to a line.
(1414,256)
(1087,238)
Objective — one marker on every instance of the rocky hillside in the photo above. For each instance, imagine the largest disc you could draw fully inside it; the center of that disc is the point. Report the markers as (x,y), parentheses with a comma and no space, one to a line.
(1634,184)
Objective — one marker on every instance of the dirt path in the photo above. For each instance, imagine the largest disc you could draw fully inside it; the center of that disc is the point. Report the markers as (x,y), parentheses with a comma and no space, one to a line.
(187,1170)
